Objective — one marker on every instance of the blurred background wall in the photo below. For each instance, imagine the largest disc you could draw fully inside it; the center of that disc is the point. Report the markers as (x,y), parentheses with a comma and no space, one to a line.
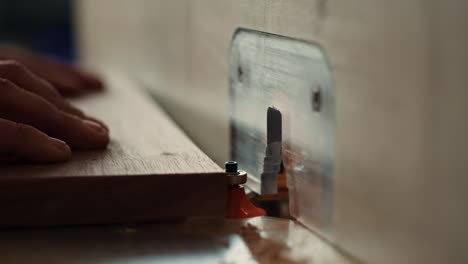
(45,26)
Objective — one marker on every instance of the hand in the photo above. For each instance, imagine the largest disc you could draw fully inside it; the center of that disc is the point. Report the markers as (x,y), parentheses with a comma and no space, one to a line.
(69,80)
(36,123)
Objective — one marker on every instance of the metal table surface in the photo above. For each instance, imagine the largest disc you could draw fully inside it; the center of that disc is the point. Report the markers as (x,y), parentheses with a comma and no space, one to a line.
(255,240)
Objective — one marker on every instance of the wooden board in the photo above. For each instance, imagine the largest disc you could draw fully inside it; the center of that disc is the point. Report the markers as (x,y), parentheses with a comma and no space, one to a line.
(151,170)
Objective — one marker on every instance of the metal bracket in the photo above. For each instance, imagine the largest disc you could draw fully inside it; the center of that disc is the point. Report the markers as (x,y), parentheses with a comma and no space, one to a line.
(294,77)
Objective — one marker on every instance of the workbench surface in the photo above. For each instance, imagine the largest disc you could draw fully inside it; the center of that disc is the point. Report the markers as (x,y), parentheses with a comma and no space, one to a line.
(254,240)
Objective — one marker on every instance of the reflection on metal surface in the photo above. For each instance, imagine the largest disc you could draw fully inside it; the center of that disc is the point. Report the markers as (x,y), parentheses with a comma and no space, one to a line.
(255,240)
(292,76)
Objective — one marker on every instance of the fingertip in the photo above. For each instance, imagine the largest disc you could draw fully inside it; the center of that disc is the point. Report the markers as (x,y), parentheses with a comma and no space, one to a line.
(60,150)
(69,92)
(97,121)
(50,151)
(80,133)
(69,86)
(39,148)
(100,138)
(95,84)
(69,108)
(90,80)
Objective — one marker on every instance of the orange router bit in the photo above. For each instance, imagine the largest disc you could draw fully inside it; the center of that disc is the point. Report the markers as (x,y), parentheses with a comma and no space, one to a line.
(238,205)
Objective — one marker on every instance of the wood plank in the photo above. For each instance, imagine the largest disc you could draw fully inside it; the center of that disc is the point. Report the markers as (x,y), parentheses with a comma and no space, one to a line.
(151,170)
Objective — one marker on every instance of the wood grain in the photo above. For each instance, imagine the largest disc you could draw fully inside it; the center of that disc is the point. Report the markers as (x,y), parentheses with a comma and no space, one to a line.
(151,170)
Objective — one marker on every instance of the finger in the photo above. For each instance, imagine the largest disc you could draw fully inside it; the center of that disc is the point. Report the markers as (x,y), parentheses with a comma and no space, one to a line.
(24,78)
(97,121)
(27,143)
(68,79)
(66,84)
(22,106)
(90,80)
(77,76)
(38,65)
(75,111)
(71,76)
